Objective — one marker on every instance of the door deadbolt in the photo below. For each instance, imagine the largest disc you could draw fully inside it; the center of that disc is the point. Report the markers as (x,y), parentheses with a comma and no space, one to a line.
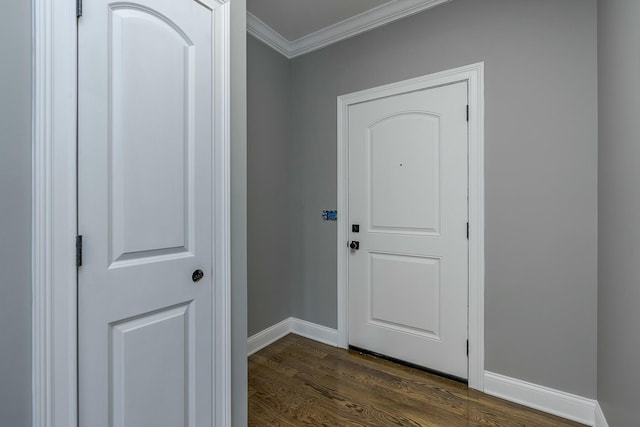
(197,275)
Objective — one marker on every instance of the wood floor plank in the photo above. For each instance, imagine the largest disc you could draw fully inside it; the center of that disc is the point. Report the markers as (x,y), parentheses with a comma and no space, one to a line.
(297,381)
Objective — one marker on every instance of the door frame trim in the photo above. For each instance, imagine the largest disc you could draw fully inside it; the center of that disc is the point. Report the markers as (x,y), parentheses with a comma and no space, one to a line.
(474,75)
(54,221)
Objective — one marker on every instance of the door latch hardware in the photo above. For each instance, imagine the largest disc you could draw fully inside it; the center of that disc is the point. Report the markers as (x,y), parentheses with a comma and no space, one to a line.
(354,245)
(355,228)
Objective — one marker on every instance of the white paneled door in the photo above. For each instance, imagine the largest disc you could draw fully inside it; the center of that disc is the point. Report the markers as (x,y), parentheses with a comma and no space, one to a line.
(408,262)
(145,210)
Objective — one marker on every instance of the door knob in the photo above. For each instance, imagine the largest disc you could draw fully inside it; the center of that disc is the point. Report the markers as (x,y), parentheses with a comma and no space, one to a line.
(354,245)
(197,275)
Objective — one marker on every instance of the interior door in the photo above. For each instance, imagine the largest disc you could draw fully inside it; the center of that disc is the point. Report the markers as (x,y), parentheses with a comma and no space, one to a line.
(408,266)
(145,178)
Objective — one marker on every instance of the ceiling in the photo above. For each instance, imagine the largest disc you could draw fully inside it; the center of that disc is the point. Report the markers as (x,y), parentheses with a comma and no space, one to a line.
(295,27)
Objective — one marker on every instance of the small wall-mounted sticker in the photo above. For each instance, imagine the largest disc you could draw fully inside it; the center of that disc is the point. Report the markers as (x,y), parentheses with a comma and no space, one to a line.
(330,215)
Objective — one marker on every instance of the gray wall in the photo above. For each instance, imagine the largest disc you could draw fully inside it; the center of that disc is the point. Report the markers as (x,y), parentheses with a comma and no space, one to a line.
(619,211)
(238,213)
(15,214)
(541,170)
(269,284)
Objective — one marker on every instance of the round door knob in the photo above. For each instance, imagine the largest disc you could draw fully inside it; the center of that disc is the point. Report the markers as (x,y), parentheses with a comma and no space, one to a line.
(354,245)
(197,275)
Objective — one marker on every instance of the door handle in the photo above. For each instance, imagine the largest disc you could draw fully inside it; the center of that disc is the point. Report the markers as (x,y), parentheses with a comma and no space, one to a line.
(354,245)
(197,275)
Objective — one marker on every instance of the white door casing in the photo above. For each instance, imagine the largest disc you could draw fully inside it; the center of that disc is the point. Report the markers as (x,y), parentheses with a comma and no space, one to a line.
(473,76)
(408,196)
(54,214)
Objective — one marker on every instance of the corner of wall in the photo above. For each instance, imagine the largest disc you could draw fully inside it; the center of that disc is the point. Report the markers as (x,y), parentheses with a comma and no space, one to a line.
(238,213)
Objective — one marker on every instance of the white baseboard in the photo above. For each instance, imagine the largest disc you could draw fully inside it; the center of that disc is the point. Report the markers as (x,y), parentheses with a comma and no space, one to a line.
(292,325)
(600,420)
(314,331)
(268,336)
(560,403)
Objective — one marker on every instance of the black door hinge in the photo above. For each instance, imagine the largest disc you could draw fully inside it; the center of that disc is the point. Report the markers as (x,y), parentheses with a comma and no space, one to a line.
(467,105)
(467,231)
(78,8)
(467,347)
(78,251)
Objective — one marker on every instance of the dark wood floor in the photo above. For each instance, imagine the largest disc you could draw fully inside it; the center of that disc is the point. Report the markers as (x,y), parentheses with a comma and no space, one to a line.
(296,382)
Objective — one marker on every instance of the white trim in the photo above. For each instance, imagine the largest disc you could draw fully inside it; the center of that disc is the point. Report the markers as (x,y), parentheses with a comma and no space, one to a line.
(290,325)
(474,74)
(267,35)
(54,214)
(54,313)
(476,227)
(350,27)
(222,218)
(315,332)
(268,336)
(562,404)
(600,420)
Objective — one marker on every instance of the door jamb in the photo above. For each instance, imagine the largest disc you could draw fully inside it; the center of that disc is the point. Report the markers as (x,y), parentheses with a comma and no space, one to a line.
(54,221)
(474,75)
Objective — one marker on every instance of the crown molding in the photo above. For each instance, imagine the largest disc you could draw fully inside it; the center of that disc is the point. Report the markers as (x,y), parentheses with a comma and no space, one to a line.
(267,35)
(365,21)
